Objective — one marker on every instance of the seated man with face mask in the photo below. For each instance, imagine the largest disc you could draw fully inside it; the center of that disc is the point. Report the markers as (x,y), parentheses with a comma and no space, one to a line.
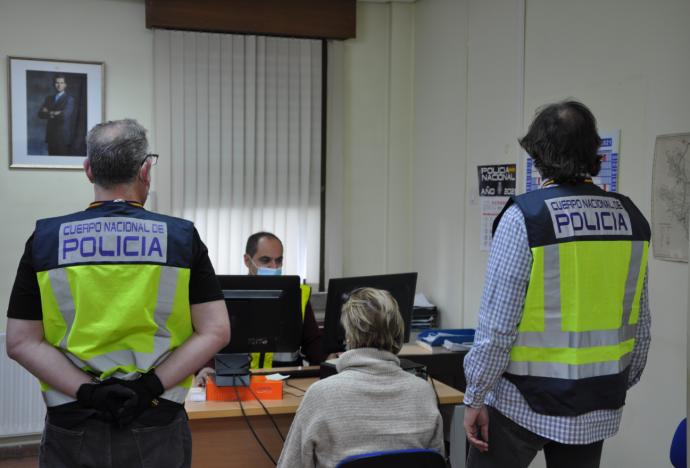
(263,256)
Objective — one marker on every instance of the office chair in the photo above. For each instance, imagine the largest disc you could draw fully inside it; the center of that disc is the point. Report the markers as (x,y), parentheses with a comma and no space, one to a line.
(678,446)
(411,458)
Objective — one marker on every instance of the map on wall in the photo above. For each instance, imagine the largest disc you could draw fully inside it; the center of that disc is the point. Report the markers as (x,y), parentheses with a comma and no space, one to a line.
(671,197)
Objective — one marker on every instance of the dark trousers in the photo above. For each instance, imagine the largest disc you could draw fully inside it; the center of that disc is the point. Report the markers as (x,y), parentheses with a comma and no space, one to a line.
(513,446)
(95,443)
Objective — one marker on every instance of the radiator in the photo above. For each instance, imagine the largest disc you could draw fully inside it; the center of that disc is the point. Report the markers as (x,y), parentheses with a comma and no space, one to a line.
(22,410)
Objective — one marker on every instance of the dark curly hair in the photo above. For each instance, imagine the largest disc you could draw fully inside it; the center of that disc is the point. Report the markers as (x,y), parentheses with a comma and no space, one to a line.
(563,141)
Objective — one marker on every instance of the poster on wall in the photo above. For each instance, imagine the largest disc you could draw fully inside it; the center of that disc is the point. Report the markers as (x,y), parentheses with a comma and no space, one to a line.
(496,185)
(608,175)
(52,105)
(671,197)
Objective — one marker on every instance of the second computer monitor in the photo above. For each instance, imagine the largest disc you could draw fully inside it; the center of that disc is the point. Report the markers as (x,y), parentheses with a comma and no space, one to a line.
(265,313)
(400,285)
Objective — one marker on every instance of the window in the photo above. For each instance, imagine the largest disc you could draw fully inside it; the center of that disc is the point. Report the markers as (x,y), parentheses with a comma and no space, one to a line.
(238,123)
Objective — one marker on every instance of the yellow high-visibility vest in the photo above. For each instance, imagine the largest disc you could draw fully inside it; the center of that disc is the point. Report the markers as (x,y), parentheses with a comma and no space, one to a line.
(574,343)
(114,286)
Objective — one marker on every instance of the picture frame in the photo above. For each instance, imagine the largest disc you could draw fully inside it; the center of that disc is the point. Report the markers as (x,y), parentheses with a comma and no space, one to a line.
(53,104)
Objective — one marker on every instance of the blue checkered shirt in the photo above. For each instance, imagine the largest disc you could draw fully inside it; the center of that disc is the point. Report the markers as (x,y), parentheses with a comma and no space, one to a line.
(500,312)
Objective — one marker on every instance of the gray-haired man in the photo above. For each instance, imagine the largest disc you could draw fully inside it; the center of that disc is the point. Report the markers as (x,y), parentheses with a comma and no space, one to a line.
(113,308)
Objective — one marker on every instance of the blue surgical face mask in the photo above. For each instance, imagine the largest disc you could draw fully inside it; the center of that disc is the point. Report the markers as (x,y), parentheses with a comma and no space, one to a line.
(265,271)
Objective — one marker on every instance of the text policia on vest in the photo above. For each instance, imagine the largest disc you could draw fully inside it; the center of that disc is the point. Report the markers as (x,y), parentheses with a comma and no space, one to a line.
(113,239)
(587,215)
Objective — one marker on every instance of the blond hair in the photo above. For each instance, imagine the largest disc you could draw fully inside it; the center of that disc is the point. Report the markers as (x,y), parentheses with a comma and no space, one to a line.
(371,319)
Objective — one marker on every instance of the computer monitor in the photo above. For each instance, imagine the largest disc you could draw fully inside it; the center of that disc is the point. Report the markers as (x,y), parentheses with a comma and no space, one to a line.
(265,313)
(400,285)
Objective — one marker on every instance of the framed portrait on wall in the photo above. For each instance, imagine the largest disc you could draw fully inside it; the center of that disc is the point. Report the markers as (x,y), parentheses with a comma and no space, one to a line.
(53,103)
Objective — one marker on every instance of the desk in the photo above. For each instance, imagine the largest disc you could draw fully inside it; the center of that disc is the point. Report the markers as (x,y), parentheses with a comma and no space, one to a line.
(221,438)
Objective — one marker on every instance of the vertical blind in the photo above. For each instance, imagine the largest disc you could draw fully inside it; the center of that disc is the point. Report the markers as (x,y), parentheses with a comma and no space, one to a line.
(237,123)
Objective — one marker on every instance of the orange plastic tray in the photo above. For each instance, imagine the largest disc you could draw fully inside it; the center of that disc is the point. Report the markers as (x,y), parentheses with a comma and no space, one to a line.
(262,388)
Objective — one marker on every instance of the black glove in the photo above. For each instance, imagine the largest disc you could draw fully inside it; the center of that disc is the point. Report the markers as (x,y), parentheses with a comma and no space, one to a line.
(107,397)
(146,388)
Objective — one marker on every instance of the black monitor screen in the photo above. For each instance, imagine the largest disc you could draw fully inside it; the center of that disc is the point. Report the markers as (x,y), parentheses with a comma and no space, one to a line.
(265,313)
(400,285)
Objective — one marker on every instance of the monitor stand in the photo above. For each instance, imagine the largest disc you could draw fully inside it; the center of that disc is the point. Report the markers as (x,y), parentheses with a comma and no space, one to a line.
(232,370)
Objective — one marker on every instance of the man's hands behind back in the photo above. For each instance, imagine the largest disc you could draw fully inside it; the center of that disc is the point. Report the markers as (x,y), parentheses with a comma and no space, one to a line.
(121,401)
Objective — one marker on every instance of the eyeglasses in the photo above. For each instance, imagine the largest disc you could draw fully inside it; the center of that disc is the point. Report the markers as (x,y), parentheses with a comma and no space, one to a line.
(153,157)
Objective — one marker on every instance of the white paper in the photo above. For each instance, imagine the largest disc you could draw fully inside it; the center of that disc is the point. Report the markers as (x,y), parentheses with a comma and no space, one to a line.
(490,208)
(452,346)
(197,394)
(420,300)
(277,377)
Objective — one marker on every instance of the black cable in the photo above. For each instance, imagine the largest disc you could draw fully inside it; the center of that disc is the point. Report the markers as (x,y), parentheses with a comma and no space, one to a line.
(251,428)
(267,414)
(295,386)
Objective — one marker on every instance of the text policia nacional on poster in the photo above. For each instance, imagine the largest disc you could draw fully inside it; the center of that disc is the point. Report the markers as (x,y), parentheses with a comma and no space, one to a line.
(496,185)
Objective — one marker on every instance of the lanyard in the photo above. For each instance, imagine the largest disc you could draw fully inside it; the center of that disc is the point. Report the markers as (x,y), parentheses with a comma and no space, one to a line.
(550,182)
(119,200)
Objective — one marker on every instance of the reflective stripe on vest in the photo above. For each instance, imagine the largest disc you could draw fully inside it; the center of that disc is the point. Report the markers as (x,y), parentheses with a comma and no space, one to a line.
(282,357)
(581,309)
(116,339)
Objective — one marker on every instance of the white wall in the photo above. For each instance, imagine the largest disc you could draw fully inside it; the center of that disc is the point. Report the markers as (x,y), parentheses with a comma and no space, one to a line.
(377,90)
(110,31)
(631,68)
(494,109)
(440,157)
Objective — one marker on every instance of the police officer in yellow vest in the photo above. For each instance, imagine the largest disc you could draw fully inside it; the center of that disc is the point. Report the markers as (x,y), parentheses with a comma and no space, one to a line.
(113,309)
(564,320)
(263,255)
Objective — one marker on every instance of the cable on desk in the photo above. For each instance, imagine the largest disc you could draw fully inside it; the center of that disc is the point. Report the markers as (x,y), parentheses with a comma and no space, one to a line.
(295,386)
(251,428)
(267,414)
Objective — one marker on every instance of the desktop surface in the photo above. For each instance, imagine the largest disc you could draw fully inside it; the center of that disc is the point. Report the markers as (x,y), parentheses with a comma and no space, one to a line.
(221,438)
(292,397)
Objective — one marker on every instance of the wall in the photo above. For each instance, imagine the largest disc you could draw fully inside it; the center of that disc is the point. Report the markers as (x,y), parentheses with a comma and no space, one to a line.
(494,108)
(109,31)
(376,143)
(403,148)
(440,157)
(632,73)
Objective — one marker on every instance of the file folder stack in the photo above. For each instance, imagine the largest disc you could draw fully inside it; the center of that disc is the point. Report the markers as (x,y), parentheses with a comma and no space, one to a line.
(424,314)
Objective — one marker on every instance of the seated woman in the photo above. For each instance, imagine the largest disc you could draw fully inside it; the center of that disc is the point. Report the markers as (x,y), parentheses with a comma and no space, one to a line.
(371,404)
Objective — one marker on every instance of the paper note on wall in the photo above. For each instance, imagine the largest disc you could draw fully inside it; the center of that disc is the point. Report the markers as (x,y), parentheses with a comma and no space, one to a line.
(496,185)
